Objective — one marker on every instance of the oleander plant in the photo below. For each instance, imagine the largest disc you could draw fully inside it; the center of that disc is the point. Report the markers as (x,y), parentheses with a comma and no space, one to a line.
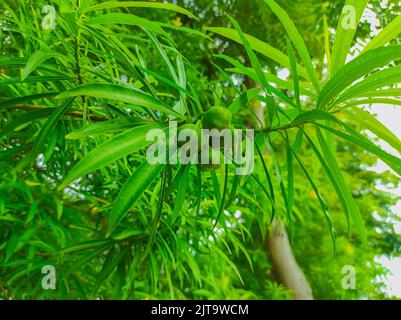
(84,214)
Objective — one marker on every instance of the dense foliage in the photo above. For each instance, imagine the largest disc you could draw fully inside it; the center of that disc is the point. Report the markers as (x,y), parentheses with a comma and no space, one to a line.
(80,93)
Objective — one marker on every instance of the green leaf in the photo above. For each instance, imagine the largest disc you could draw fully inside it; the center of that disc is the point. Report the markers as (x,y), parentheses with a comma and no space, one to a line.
(182,189)
(13,61)
(243,99)
(141,4)
(12,102)
(112,260)
(24,119)
(105,127)
(392,102)
(233,192)
(119,93)
(394,92)
(36,59)
(391,31)
(36,79)
(290,179)
(259,46)
(294,74)
(83,246)
(371,123)
(296,38)
(327,43)
(129,19)
(347,25)
(343,188)
(355,69)
(120,146)
(313,115)
(48,128)
(359,140)
(377,80)
(141,179)
(331,177)
(258,70)
(322,202)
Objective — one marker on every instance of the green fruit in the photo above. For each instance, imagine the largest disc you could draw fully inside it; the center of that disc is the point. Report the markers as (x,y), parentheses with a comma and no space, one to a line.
(217,118)
(210,166)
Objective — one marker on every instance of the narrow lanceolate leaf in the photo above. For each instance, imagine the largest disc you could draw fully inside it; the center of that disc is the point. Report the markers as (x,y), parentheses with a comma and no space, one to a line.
(98,128)
(12,61)
(347,25)
(258,70)
(356,69)
(313,115)
(120,146)
(377,80)
(393,102)
(12,102)
(361,141)
(296,38)
(182,190)
(294,73)
(392,30)
(327,43)
(370,122)
(344,189)
(48,127)
(259,46)
(129,19)
(141,4)
(394,92)
(119,93)
(24,119)
(322,202)
(36,59)
(130,192)
(331,177)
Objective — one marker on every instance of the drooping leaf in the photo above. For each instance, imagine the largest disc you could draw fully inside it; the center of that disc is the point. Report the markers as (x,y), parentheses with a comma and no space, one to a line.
(119,146)
(36,59)
(119,93)
(141,179)
(48,127)
(356,69)
(298,41)
(344,189)
(141,4)
(97,128)
(379,79)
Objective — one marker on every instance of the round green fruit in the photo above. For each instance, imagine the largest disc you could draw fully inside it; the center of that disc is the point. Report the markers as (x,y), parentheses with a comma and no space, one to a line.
(217,118)
(210,166)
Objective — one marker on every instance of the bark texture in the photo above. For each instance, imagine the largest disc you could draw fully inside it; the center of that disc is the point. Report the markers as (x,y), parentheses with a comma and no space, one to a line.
(285,266)
(284,263)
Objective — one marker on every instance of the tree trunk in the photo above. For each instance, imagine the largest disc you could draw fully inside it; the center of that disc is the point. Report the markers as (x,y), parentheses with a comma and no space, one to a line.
(285,266)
